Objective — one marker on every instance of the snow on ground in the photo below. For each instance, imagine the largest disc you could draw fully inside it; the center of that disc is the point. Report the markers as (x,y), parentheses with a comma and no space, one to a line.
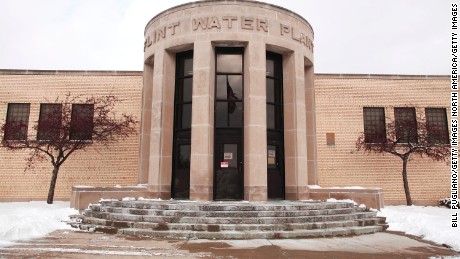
(430,223)
(26,220)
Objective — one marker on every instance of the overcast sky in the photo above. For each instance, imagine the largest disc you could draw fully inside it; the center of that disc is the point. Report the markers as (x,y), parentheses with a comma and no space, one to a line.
(351,36)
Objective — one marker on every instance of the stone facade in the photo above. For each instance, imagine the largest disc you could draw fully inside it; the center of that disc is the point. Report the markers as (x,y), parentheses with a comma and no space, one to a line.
(203,27)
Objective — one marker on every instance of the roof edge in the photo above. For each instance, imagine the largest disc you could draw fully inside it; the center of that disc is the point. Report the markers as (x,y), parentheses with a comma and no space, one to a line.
(70,72)
(383,76)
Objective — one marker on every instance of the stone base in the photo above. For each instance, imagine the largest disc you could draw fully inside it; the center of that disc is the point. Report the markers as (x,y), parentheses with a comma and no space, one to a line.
(82,196)
(371,197)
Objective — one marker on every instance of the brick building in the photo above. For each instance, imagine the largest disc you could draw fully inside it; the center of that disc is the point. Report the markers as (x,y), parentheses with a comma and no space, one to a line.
(339,109)
(227,82)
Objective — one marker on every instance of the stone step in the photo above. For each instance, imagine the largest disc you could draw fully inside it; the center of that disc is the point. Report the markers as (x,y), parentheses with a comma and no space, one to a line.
(223,227)
(252,234)
(226,220)
(224,206)
(192,213)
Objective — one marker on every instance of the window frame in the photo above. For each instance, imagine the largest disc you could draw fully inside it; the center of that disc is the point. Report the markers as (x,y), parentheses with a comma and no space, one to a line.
(75,129)
(43,133)
(239,103)
(23,134)
(405,133)
(379,123)
(443,137)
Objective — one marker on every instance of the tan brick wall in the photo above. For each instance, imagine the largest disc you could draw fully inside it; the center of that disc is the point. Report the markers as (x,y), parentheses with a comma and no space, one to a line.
(339,106)
(109,167)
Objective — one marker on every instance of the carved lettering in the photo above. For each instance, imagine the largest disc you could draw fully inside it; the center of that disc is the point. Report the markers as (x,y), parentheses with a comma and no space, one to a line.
(200,22)
(172,27)
(229,20)
(262,24)
(293,35)
(214,23)
(147,43)
(285,29)
(299,37)
(160,33)
(247,23)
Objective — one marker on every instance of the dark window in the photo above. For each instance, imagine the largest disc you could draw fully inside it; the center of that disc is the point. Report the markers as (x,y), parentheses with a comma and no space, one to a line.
(274,81)
(81,124)
(180,182)
(17,121)
(183,92)
(406,125)
(229,88)
(374,124)
(436,124)
(184,157)
(49,122)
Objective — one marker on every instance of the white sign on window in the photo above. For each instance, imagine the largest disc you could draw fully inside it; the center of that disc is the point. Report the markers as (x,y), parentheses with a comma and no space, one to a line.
(228,156)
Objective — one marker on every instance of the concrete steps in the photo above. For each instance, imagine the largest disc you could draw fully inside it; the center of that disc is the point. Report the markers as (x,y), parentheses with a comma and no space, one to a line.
(228,220)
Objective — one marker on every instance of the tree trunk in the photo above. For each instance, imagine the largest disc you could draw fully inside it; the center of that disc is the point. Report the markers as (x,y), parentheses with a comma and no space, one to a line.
(52,185)
(406,183)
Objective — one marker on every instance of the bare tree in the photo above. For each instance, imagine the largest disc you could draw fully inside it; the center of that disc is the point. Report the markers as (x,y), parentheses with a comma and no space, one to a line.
(66,126)
(406,136)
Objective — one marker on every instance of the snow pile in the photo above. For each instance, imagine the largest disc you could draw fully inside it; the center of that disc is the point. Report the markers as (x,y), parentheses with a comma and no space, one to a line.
(430,223)
(25,220)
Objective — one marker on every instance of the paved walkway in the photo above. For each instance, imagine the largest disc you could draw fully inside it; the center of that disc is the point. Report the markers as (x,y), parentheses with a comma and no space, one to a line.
(75,244)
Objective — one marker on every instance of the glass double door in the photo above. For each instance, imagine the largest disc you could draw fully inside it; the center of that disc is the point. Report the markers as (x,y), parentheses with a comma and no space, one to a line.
(228,166)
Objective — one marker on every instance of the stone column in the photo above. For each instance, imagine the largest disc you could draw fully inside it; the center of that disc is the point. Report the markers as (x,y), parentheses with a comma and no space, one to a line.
(311,124)
(143,174)
(255,122)
(295,139)
(162,115)
(201,164)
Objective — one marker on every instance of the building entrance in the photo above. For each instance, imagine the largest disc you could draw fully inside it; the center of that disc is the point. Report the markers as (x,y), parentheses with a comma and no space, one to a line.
(228,167)
(228,119)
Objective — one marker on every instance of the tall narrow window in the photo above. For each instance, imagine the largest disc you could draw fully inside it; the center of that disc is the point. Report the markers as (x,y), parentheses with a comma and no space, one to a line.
(49,122)
(406,125)
(229,89)
(228,122)
(374,124)
(182,126)
(81,124)
(17,121)
(436,125)
(275,126)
